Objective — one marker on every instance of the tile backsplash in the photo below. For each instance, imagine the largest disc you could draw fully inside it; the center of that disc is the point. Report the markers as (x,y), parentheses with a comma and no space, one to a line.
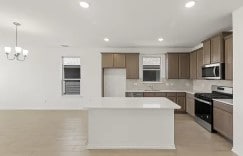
(205,85)
(164,85)
(196,85)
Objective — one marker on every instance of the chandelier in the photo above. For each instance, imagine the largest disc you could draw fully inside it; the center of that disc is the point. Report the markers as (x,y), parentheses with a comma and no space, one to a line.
(19,54)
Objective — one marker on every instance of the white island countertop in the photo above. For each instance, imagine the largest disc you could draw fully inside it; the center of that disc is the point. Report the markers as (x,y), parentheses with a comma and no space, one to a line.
(130,103)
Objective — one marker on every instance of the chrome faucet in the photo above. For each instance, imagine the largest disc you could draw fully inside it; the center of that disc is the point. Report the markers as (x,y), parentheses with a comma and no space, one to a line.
(151,86)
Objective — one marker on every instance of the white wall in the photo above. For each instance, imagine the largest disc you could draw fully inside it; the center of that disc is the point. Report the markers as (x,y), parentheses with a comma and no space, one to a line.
(238,81)
(36,82)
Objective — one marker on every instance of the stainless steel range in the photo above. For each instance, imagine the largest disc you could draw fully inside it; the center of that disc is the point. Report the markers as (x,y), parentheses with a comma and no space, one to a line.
(204,104)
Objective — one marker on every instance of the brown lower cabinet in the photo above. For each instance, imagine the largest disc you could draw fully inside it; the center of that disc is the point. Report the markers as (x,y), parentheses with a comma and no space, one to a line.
(177,97)
(180,99)
(190,104)
(154,94)
(223,119)
(172,97)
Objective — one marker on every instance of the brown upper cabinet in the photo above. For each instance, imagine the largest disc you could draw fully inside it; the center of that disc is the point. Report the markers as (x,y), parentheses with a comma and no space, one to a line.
(193,65)
(107,60)
(207,52)
(229,57)
(132,66)
(172,66)
(119,60)
(113,60)
(178,65)
(217,49)
(199,63)
(214,49)
(184,66)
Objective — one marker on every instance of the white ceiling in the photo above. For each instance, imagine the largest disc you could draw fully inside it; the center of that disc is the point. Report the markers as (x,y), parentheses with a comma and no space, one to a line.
(128,23)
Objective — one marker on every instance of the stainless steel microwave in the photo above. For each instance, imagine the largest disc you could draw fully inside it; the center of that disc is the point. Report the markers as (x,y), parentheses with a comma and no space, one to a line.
(213,71)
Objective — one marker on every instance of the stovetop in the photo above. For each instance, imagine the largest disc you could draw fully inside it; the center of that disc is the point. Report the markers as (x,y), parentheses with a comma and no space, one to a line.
(213,95)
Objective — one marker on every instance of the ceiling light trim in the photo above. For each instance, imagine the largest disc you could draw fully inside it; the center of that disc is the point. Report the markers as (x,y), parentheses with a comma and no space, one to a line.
(190,4)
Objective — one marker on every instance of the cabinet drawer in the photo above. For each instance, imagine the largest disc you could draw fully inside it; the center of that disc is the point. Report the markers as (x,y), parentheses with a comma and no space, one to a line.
(134,94)
(148,94)
(181,94)
(223,106)
(160,94)
(154,94)
(171,94)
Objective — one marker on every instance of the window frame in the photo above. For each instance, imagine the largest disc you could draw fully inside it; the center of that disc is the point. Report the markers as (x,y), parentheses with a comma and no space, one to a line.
(161,66)
(76,79)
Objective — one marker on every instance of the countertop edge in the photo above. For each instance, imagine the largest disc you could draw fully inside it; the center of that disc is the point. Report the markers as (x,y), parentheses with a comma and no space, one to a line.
(225,101)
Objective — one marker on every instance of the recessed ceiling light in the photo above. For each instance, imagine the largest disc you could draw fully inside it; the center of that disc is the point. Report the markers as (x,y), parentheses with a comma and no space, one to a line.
(84,5)
(160,39)
(190,4)
(106,39)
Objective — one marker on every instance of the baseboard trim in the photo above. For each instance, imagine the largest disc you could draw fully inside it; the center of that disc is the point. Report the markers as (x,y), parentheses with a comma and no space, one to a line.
(90,147)
(233,150)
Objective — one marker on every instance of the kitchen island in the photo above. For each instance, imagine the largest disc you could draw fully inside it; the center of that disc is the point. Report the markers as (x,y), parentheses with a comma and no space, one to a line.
(130,123)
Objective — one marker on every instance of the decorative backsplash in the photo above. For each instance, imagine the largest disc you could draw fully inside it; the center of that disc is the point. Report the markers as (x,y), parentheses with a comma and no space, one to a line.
(196,85)
(164,85)
(205,85)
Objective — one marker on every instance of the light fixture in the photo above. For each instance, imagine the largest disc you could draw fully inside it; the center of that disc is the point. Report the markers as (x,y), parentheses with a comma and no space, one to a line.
(64,45)
(160,39)
(84,5)
(18,50)
(106,39)
(190,4)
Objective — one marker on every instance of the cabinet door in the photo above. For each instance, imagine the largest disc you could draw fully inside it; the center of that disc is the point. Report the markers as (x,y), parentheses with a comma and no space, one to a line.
(206,52)
(190,105)
(217,49)
(193,65)
(107,60)
(119,60)
(223,122)
(199,63)
(181,101)
(172,98)
(173,66)
(184,66)
(132,66)
(229,58)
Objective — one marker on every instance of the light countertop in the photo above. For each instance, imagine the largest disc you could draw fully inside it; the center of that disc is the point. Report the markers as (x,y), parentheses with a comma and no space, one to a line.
(130,103)
(226,101)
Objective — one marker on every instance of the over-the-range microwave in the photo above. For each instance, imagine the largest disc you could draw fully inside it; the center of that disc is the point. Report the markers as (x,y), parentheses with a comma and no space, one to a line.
(213,71)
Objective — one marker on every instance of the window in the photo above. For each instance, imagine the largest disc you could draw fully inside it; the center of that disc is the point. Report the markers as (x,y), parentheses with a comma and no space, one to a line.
(151,68)
(71,76)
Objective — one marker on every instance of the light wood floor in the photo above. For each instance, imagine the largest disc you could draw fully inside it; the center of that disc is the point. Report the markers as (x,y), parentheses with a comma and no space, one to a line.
(64,133)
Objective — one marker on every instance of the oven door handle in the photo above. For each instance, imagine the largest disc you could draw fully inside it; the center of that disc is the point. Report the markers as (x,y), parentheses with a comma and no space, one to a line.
(214,71)
(203,101)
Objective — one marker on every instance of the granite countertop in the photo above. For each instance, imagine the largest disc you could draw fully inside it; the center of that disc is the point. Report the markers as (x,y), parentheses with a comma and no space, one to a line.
(130,103)
(226,101)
